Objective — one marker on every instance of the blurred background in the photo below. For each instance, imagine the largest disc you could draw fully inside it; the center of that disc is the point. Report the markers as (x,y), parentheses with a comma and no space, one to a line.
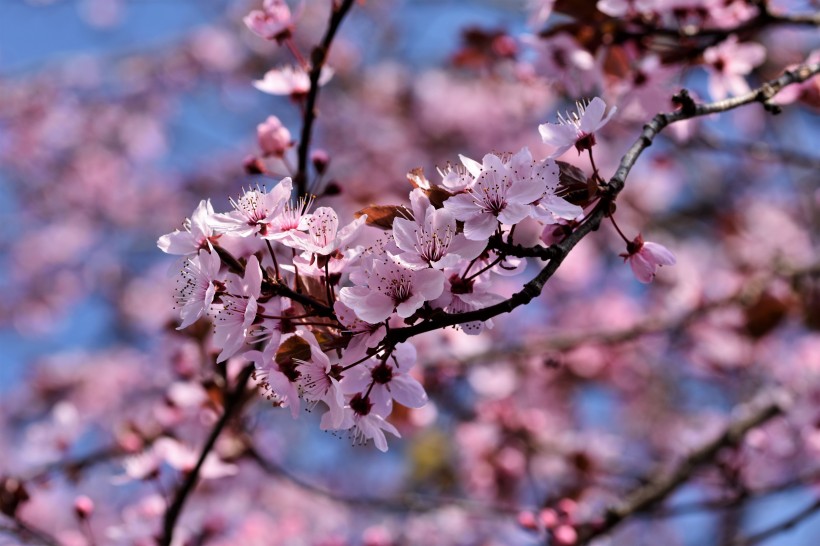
(118,116)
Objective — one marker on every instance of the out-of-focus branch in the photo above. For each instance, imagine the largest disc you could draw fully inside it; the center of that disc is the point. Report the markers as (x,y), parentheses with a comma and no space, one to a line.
(29,534)
(233,404)
(755,413)
(776,529)
(654,325)
(557,253)
(739,499)
(402,504)
(317,61)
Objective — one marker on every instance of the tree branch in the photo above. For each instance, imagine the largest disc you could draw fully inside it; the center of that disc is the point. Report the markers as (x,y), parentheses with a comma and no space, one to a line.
(233,403)
(317,60)
(557,253)
(755,413)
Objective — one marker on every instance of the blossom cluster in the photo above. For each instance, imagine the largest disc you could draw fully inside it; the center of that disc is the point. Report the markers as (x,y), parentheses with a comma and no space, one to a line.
(298,294)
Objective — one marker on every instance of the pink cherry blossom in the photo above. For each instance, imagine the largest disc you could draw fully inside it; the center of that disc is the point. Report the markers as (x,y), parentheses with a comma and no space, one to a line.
(197,233)
(388,286)
(431,239)
(324,236)
(290,80)
(234,320)
(496,196)
(272,22)
(255,212)
(387,379)
(318,382)
(646,257)
(577,128)
(198,286)
(365,423)
(728,63)
(462,294)
(273,137)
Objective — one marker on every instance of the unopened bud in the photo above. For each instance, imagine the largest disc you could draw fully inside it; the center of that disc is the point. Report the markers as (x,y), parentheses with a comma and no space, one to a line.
(321,160)
(83,507)
(274,138)
(253,165)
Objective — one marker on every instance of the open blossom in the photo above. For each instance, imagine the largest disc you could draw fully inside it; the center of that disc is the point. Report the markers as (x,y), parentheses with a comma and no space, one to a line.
(255,212)
(646,257)
(324,236)
(728,63)
(387,287)
(496,196)
(234,320)
(198,233)
(290,80)
(387,380)
(272,22)
(577,128)
(430,240)
(318,382)
(548,207)
(461,295)
(364,421)
(199,286)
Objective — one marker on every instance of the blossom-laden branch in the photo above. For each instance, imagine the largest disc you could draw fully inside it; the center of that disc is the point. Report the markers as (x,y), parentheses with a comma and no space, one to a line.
(317,59)
(758,411)
(747,295)
(609,191)
(233,404)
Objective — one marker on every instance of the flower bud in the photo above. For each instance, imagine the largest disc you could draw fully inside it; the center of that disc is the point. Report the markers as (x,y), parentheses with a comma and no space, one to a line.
(274,138)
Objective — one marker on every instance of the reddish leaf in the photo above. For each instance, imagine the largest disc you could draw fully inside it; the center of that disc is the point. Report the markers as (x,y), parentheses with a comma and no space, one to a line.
(382,216)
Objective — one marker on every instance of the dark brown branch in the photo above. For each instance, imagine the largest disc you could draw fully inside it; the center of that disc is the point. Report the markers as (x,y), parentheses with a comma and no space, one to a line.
(658,488)
(557,253)
(317,61)
(233,403)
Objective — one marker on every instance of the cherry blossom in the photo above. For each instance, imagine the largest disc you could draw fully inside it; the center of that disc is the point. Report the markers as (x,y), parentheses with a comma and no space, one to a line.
(387,379)
(728,63)
(646,257)
(389,287)
(238,313)
(365,423)
(496,196)
(290,80)
(431,239)
(255,212)
(272,22)
(199,285)
(274,138)
(324,236)
(577,128)
(198,233)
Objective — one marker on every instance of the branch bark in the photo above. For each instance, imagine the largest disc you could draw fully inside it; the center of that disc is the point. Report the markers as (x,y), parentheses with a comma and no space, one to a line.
(557,253)
(755,413)
(317,60)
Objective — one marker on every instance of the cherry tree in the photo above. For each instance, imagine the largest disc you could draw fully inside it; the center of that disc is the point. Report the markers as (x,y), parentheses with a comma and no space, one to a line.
(598,316)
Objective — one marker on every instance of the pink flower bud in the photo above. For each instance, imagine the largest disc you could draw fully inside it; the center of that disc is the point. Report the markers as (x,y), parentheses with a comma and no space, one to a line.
(320,160)
(274,138)
(83,507)
(527,521)
(565,535)
(273,22)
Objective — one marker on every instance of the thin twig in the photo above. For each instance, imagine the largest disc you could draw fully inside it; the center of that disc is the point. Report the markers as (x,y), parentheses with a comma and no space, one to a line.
(233,403)
(558,252)
(658,488)
(317,60)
